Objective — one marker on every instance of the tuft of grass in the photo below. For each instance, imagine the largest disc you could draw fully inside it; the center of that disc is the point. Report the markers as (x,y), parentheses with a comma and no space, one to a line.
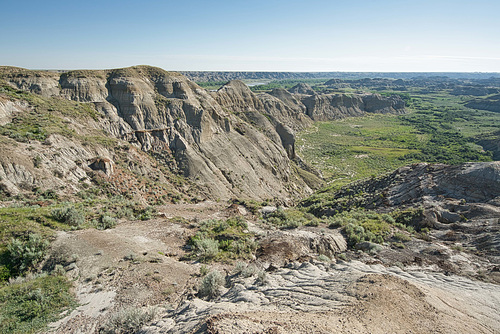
(203,270)
(324,258)
(262,278)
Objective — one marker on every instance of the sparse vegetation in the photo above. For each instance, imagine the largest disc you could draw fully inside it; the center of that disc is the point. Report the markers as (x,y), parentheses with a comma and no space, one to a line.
(46,117)
(251,205)
(104,222)
(128,321)
(68,215)
(223,239)
(290,218)
(28,305)
(211,285)
(437,129)
(361,225)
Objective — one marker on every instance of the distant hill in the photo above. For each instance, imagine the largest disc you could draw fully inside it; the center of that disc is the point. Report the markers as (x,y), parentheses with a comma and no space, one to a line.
(214,76)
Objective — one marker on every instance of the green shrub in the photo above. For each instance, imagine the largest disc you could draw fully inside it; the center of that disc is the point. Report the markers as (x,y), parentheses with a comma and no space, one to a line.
(243,246)
(401,236)
(128,321)
(290,218)
(59,270)
(203,270)
(211,285)
(124,212)
(223,239)
(324,258)
(68,215)
(146,213)
(4,273)
(249,271)
(240,266)
(206,248)
(105,222)
(410,217)
(23,255)
(342,256)
(262,278)
(399,245)
(361,225)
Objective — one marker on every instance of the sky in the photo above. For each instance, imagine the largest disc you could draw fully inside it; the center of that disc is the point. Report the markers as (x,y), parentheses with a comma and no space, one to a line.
(271,35)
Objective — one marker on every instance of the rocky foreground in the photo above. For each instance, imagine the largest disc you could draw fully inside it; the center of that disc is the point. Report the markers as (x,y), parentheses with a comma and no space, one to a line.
(306,280)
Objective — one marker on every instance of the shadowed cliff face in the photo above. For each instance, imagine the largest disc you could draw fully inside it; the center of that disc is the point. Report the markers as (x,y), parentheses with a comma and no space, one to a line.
(233,142)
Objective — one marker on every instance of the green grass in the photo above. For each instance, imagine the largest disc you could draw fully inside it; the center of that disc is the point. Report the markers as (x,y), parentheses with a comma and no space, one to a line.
(358,147)
(28,306)
(221,240)
(438,129)
(20,221)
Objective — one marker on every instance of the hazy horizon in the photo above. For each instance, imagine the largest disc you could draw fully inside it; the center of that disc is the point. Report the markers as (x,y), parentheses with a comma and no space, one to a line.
(258,36)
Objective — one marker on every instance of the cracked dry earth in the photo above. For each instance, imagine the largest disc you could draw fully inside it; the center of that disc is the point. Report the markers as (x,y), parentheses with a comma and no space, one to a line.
(343,298)
(138,264)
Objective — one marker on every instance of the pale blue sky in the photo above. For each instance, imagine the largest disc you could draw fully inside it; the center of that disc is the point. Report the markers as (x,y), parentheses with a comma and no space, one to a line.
(313,35)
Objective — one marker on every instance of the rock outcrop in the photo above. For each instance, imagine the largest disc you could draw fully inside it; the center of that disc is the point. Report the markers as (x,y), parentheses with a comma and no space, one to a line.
(461,204)
(302,88)
(335,106)
(340,298)
(491,103)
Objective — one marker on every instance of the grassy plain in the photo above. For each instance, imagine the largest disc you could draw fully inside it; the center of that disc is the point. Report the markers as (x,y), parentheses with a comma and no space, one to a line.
(359,147)
(436,129)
